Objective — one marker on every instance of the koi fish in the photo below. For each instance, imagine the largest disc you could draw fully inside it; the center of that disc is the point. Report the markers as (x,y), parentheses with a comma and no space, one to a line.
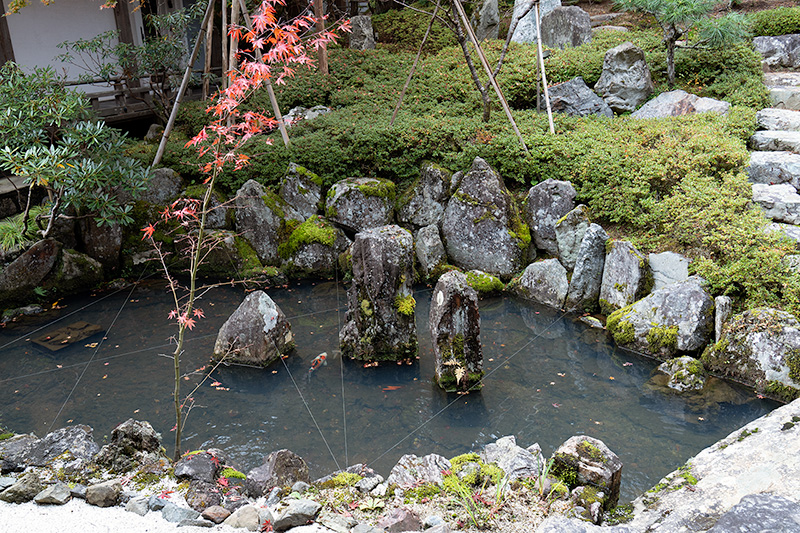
(318,361)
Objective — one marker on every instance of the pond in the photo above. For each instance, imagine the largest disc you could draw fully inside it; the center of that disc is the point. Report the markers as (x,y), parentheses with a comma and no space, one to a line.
(548,377)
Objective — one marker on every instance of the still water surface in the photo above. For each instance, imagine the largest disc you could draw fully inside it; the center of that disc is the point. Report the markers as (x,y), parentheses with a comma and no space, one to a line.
(548,377)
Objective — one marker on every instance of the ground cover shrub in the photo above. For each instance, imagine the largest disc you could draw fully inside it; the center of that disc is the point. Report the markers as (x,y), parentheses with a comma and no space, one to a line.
(778,21)
(403,29)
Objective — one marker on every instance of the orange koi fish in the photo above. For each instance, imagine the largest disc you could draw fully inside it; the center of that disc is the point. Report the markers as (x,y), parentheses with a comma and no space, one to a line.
(318,361)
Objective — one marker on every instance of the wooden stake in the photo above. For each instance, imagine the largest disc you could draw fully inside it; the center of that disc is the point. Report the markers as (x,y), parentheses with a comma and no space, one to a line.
(488,70)
(414,66)
(541,67)
(207,65)
(186,75)
(224,44)
(322,53)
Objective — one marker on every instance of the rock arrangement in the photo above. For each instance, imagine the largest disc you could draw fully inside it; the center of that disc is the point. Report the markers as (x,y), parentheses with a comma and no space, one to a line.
(203,488)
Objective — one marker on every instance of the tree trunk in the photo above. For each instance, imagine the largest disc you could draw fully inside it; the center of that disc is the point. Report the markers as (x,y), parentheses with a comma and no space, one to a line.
(670,38)
(487,105)
(322,52)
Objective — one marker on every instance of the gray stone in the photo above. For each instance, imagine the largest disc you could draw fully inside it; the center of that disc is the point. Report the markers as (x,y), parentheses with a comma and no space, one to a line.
(201,466)
(138,505)
(576,99)
(758,347)
(298,513)
(399,520)
(481,227)
(544,205)
(75,273)
(245,517)
(302,190)
(566,26)
(362,36)
(216,514)
(760,457)
(626,277)
(154,133)
(78,491)
(163,186)
(260,217)
(785,97)
(563,524)
(722,310)
(433,521)
(195,522)
(104,494)
(789,230)
(430,250)
(360,203)
(257,333)
(57,494)
(584,287)
(23,490)
(779,202)
(594,464)
(313,249)
(380,324)
(368,483)
(778,119)
(102,243)
(300,114)
(677,318)
(156,503)
(131,441)
(625,82)
(685,374)
(760,512)
(778,52)
(544,282)
(73,446)
(13,450)
(6,482)
(775,141)
(678,103)
(525,31)
(28,271)
(668,268)
(515,461)
(175,513)
(411,469)
(487,21)
(424,202)
(203,494)
(569,235)
(281,468)
(300,487)
(366,528)
(772,168)
(455,326)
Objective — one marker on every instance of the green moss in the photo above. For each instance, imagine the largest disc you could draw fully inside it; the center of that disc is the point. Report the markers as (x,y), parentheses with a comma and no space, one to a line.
(605,306)
(366,308)
(247,255)
(686,473)
(232,473)
(564,469)
(314,230)
(405,305)
(620,287)
(274,203)
(792,360)
(6,436)
(422,493)
(591,451)
(746,433)
(622,330)
(781,392)
(342,479)
(492,472)
(662,337)
(620,514)
(484,283)
(302,171)
(458,462)
(380,188)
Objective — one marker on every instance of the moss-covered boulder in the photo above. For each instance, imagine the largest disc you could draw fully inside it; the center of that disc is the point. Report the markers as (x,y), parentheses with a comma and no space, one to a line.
(482,228)
(302,190)
(361,203)
(313,249)
(424,202)
(569,231)
(761,348)
(455,326)
(543,282)
(586,461)
(544,205)
(626,277)
(685,374)
(19,278)
(380,322)
(263,218)
(677,318)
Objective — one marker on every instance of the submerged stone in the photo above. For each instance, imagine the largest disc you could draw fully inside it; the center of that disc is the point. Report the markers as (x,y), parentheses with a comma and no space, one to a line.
(685,374)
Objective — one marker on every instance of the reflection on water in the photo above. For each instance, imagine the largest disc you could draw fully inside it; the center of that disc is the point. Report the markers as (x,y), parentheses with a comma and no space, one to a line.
(548,377)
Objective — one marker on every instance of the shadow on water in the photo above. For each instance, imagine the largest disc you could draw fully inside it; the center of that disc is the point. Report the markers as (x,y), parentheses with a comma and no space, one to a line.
(548,377)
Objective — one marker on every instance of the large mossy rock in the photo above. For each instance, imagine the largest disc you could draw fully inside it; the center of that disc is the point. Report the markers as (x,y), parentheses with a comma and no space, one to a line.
(302,190)
(361,203)
(626,277)
(257,333)
(760,348)
(132,442)
(584,460)
(102,243)
(380,321)
(261,218)
(313,249)
(677,318)
(482,228)
(455,326)
(544,205)
(424,202)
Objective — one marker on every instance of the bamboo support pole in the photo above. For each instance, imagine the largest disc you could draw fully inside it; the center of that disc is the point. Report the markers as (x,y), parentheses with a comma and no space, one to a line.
(414,66)
(224,44)
(184,83)
(541,68)
(322,52)
(207,63)
(463,15)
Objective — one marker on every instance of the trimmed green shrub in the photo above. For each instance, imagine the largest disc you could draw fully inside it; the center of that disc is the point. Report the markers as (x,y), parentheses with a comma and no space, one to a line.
(779,21)
(404,29)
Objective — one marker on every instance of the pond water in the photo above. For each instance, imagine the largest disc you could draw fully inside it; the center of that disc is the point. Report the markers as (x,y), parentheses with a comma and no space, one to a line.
(548,377)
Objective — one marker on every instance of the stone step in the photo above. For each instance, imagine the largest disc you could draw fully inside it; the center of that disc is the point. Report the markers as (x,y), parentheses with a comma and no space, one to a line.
(776,119)
(785,97)
(771,168)
(780,203)
(776,141)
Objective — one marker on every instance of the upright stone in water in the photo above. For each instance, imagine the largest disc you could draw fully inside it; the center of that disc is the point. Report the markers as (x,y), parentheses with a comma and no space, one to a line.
(302,190)
(722,310)
(280,469)
(576,99)
(257,333)
(102,243)
(569,235)
(260,216)
(526,27)
(455,325)
(361,36)
(625,83)
(487,21)
(544,282)
(626,277)
(592,463)
(424,202)
(380,321)
(482,229)
(685,373)
(545,204)
(360,203)
(430,250)
(566,26)
(584,287)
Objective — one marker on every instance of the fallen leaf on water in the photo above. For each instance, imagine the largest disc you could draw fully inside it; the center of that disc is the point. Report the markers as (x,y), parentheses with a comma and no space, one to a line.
(562,374)
(627,364)
(92,345)
(216,384)
(611,378)
(136,411)
(556,405)
(392,387)
(59,366)
(105,376)
(274,371)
